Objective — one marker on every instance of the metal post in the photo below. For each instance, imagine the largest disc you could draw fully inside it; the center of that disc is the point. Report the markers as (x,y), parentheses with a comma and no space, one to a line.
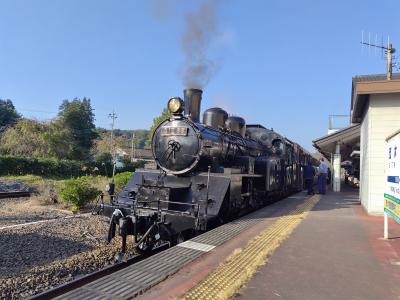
(385,226)
(206,207)
(332,172)
(132,146)
(336,168)
(113,116)
(389,52)
(113,172)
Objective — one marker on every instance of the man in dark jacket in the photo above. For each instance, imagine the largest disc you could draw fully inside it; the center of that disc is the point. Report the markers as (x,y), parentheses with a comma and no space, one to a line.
(309,173)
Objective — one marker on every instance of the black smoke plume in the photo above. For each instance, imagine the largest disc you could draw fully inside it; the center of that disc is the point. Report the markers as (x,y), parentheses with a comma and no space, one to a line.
(201,27)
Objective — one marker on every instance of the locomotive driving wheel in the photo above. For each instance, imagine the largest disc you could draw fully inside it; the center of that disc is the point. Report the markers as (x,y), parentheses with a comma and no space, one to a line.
(148,240)
(157,235)
(146,246)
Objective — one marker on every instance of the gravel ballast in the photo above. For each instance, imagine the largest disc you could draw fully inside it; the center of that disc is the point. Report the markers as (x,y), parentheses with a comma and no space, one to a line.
(37,257)
(24,210)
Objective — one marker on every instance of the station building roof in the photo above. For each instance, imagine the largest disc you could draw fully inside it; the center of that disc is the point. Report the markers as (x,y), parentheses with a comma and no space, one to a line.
(365,85)
(348,138)
(362,87)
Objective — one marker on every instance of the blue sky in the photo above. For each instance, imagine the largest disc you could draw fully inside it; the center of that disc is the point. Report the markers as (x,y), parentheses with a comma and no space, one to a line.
(283,64)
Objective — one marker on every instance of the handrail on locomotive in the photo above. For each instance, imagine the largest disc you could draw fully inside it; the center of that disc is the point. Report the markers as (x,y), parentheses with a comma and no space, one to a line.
(207,173)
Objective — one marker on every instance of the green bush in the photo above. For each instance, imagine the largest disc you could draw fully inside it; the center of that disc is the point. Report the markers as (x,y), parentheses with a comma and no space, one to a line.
(77,191)
(121,179)
(99,182)
(49,167)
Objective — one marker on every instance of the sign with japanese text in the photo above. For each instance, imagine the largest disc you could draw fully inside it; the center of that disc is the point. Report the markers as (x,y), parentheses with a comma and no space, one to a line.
(392,189)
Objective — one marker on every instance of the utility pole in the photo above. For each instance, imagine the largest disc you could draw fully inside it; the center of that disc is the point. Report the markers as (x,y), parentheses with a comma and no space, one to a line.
(132,146)
(113,116)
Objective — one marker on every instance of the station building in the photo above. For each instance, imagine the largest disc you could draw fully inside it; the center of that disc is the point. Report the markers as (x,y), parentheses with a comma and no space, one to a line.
(374,116)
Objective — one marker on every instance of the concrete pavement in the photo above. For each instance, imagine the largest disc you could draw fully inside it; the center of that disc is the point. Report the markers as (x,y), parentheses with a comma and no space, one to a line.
(337,252)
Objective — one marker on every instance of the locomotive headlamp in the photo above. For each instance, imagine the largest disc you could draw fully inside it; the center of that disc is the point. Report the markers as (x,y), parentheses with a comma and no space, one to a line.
(175,105)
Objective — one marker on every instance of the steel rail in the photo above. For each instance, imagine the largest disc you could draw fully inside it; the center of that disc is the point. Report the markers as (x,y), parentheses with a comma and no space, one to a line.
(45,221)
(79,282)
(14,194)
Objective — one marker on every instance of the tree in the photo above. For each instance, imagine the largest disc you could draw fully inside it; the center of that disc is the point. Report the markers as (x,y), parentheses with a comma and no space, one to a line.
(104,161)
(70,136)
(24,139)
(77,115)
(58,140)
(8,114)
(122,135)
(165,114)
(140,138)
(102,143)
(32,138)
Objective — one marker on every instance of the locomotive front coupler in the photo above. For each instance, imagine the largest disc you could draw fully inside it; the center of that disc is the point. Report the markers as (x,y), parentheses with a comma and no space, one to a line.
(114,220)
(126,226)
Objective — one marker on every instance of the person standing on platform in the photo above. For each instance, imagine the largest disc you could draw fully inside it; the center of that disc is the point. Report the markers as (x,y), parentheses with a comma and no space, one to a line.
(309,173)
(323,172)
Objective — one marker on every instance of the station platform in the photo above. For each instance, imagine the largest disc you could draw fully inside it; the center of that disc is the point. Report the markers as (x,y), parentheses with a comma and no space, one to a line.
(319,247)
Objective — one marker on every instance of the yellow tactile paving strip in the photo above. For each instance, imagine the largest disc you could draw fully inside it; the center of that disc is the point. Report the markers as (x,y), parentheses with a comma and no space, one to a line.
(241,265)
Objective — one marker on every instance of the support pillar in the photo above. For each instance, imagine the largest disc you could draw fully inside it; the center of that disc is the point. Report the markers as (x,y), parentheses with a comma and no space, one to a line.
(331,182)
(336,169)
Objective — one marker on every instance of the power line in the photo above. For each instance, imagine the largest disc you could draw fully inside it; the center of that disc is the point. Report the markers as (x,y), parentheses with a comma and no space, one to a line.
(40,111)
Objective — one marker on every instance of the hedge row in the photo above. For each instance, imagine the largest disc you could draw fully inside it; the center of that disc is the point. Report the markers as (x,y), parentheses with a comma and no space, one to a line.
(13,165)
(121,180)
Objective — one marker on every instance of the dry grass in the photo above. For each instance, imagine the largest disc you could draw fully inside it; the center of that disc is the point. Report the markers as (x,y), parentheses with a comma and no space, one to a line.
(46,194)
(99,182)
(45,189)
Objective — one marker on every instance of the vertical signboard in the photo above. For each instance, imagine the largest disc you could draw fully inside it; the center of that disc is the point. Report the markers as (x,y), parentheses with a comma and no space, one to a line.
(392,188)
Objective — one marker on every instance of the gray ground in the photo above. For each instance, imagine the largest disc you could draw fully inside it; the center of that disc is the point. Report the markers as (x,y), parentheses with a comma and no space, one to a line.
(40,256)
(335,253)
(23,210)
(14,186)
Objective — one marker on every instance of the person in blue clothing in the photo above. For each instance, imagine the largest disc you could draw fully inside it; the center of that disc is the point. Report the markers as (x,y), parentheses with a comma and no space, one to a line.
(323,173)
(309,173)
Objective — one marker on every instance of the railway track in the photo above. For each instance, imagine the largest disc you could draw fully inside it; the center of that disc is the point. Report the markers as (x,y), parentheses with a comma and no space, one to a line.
(44,221)
(14,194)
(74,284)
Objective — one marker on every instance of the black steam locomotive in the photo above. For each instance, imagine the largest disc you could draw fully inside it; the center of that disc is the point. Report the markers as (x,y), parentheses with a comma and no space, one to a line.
(206,174)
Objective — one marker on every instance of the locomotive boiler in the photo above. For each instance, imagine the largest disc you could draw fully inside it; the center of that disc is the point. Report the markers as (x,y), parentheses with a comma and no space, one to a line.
(206,173)
(182,145)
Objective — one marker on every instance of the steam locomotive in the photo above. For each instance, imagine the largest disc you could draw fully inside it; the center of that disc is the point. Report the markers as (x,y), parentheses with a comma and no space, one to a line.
(206,173)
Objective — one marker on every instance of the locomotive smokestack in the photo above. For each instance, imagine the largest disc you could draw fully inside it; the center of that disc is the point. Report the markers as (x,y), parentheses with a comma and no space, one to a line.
(192,99)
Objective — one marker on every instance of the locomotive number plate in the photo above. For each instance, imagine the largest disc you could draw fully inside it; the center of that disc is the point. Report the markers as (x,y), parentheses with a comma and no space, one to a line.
(168,131)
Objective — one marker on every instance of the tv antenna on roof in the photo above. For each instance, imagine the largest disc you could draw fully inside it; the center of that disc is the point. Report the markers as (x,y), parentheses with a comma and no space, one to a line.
(388,48)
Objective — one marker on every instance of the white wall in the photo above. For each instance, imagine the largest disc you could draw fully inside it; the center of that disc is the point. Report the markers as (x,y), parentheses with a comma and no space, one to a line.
(364,167)
(380,120)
